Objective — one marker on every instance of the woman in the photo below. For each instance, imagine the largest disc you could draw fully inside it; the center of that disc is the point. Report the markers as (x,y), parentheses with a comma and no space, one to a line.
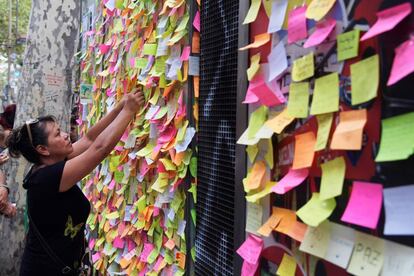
(57,208)
(6,207)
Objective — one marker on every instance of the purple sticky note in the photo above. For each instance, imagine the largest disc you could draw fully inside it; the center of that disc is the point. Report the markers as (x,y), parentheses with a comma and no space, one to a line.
(321,33)
(364,205)
(297,29)
(196,22)
(291,180)
(388,19)
(403,63)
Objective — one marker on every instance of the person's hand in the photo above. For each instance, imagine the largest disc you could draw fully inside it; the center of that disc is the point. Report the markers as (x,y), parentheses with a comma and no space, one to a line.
(3,158)
(134,101)
(3,199)
(10,210)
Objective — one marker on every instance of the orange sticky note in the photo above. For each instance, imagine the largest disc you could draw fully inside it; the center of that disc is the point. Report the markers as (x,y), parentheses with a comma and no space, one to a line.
(304,153)
(297,231)
(196,81)
(256,175)
(279,122)
(348,133)
(259,40)
(195,46)
(269,225)
(170,244)
(287,219)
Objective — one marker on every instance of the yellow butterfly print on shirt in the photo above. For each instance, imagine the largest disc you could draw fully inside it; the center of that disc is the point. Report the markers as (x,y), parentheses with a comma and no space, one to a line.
(70,230)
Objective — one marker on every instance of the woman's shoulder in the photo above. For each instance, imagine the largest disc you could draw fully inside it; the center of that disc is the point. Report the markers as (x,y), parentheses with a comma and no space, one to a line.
(44,173)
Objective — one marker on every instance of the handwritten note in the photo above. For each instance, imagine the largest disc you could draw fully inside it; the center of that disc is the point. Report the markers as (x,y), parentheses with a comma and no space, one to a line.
(251,248)
(253,11)
(397,136)
(297,28)
(324,128)
(259,40)
(340,245)
(316,210)
(316,240)
(287,267)
(388,19)
(399,206)
(298,104)
(291,180)
(361,89)
(364,205)
(325,95)
(403,64)
(319,8)
(279,122)
(348,44)
(322,31)
(398,259)
(333,174)
(368,255)
(348,133)
(254,66)
(277,15)
(304,153)
(303,68)
(277,61)
(254,217)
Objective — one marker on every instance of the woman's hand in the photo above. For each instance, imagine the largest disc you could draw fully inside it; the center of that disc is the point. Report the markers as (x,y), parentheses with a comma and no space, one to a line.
(134,101)
(3,158)
(10,210)
(4,194)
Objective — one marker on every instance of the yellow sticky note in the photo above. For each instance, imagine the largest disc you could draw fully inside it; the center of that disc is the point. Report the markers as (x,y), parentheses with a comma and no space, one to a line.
(333,174)
(364,80)
(253,11)
(253,197)
(269,154)
(326,94)
(252,151)
(324,128)
(287,267)
(316,240)
(279,122)
(298,103)
(150,49)
(316,210)
(254,66)
(348,133)
(254,215)
(368,255)
(303,68)
(348,44)
(319,8)
(304,150)
(267,4)
(257,119)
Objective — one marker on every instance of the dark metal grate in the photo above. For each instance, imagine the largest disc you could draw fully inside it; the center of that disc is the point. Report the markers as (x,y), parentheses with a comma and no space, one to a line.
(217,138)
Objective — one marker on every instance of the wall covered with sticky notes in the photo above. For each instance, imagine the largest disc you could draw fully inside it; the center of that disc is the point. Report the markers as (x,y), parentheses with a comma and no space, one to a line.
(139,194)
(335,201)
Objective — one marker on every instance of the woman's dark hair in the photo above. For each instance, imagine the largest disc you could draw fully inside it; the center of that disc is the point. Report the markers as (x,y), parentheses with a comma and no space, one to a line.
(7,117)
(19,142)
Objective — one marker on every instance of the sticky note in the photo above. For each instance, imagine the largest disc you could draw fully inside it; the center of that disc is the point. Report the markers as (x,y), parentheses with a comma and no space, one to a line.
(264,93)
(253,11)
(195,43)
(341,245)
(277,16)
(297,29)
(316,240)
(319,8)
(398,259)
(254,197)
(256,175)
(399,205)
(194,66)
(291,180)
(403,64)
(297,231)
(397,136)
(287,267)
(279,122)
(361,89)
(368,255)
(322,31)
(257,119)
(196,21)
(269,225)
(254,216)
(348,133)
(333,174)
(303,68)
(364,205)
(150,49)
(249,269)
(388,19)
(325,95)
(251,248)
(298,104)
(245,140)
(316,210)
(259,40)
(252,152)
(277,61)
(304,153)
(186,53)
(287,219)
(324,128)
(254,66)
(348,44)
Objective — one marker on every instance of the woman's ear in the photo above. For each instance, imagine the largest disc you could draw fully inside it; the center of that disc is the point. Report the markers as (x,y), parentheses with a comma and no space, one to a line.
(42,150)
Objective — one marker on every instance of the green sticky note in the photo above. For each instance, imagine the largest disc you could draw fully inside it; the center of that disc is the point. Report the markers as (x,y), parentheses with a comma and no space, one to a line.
(153,255)
(147,150)
(141,203)
(333,174)
(267,190)
(316,210)
(118,176)
(194,216)
(161,183)
(114,163)
(177,36)
(193,253)
(154,98)
(141,63)
(364,80)
(168,164)
(193,190)
(303,68)
(150,49)
(298,104)
(181,132)
(161,113)
(326,95)
(193,166)
(324,128)
(269,154)
(348,44)
(257,119)
(252,152)
(117,25)
(160,64)
(397,138)
(183,24)
(253,11)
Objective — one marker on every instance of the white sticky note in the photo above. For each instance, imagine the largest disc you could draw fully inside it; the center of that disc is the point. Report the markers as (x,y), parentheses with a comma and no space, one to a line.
(340,245)
(194,66)
(278,15)
(398,260)
(254,217)
(189,134)
(277,61)
(316,240)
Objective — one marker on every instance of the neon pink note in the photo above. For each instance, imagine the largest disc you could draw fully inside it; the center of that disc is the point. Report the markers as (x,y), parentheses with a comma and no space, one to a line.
(266,96)
(196,22)
(403,63)
(297,29)
(186,53)
(291,180)
(251,249)
(322,31)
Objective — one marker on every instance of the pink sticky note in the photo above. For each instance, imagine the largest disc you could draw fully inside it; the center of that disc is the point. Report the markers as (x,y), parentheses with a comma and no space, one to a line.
(96,257)
(403,63)
(297,29)
(104,48)
(250,97)
(322,32)
(186,53)
(112,185)
(196,22)
(91,243)
(266,96)
(251,249)
(291,180)
(118,243)
(387,20)
(364,205)
(148,247)
(249,269)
